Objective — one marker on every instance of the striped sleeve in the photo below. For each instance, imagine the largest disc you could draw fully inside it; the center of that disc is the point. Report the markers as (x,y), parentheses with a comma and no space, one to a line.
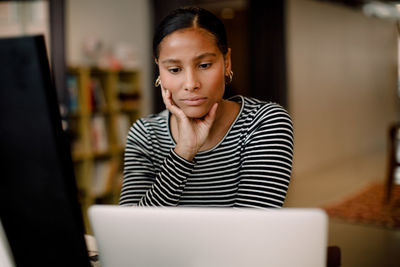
(266,159)
(142,185)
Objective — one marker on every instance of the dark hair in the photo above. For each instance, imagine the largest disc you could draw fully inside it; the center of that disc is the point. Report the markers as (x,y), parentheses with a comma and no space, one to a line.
(188,17)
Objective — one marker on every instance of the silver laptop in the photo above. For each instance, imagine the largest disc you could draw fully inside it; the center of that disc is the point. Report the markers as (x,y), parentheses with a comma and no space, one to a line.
(209,237)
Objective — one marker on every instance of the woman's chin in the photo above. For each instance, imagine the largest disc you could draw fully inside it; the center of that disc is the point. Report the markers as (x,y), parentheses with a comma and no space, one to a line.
(195,112)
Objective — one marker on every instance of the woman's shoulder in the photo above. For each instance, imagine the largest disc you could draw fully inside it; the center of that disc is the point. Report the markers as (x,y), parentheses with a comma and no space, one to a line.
(258,116)
(151,125)
(155,119)
(253,107)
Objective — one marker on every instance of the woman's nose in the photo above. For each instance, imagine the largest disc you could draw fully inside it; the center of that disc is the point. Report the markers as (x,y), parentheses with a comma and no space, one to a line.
(191,83)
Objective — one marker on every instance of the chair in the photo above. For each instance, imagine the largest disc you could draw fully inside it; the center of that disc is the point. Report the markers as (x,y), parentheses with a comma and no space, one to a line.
(333,257)
(392,162)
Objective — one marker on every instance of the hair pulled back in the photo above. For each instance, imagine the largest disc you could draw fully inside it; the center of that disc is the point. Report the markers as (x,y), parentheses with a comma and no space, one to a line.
(189,17)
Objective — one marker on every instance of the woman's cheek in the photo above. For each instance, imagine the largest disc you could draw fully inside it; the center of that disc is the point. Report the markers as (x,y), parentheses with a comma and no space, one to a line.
(168,85)
(175,99)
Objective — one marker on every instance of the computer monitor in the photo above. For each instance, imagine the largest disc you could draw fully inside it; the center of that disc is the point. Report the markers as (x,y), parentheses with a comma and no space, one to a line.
(6,258)
(39,208)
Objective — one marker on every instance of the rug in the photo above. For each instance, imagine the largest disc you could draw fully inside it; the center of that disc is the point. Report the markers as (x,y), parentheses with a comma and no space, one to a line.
(368,207)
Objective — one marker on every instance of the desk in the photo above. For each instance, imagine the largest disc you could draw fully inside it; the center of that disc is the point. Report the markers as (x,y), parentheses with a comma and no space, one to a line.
(92,250)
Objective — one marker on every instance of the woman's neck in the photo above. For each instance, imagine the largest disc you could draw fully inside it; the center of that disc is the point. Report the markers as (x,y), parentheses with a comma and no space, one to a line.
(226,115)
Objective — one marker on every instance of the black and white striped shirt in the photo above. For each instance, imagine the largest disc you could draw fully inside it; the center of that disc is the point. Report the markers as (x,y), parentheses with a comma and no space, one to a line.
(249,167)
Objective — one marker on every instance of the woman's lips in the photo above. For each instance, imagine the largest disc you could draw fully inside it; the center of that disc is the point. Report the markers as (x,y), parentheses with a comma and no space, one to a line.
(194,101)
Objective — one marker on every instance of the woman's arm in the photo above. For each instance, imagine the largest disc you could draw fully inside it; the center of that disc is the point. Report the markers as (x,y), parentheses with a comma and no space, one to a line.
(142,185)
(267,160)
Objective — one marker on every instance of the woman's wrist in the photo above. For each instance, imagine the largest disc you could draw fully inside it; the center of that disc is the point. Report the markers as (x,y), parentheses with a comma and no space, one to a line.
(187,154)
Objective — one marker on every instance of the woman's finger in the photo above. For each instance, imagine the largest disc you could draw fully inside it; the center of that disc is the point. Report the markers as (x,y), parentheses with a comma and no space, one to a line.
(170,105)
(164,97)
(210,117)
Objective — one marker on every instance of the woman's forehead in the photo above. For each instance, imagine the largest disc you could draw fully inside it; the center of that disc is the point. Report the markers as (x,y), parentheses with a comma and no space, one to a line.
(189,42)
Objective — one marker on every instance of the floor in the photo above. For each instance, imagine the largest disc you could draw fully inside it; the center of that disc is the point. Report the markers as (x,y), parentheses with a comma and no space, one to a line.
(366,246)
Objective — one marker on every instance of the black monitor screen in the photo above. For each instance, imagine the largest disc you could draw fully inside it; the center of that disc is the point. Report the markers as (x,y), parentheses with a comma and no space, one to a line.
(38,198)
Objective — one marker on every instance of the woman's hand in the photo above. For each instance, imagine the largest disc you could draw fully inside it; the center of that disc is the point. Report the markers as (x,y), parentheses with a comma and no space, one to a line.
(192,133)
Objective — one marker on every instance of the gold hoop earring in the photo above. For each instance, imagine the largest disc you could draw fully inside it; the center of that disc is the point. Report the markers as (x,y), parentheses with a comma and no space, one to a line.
(157,82)
(229,77)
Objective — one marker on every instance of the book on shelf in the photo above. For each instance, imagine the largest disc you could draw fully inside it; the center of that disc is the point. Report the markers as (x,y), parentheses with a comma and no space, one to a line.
(74,136)
(97,99)
(73,97)
(98,133)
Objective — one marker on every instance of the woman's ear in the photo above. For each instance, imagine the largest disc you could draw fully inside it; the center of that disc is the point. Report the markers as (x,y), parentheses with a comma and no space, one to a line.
(156,60)
(228,63)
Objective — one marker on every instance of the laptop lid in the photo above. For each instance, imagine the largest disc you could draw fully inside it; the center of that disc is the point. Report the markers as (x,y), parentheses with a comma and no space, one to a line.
(39,208)
(183,237)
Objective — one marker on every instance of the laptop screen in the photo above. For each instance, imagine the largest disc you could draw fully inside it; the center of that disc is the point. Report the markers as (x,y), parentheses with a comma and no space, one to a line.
(38,197)
(6,259)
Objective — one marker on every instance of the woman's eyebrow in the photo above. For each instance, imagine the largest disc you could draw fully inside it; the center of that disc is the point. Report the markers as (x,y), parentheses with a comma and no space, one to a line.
(170,61)
(175,61)
(201,56)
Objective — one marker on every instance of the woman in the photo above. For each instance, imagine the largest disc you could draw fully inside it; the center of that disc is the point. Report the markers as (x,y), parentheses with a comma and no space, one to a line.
(204,150)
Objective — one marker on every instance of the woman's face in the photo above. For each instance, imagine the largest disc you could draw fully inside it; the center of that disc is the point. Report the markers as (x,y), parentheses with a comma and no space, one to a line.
(193,69)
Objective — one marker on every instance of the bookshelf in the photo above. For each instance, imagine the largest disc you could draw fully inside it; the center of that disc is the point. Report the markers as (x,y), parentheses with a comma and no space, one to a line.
(102,105)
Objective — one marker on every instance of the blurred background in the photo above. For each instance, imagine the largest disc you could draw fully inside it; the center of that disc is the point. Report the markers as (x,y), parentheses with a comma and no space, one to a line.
(333,64)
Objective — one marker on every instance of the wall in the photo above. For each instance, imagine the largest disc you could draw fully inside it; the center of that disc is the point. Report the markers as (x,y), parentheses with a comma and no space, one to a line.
(342,75)
(121,21)
(342,71)
(25,18)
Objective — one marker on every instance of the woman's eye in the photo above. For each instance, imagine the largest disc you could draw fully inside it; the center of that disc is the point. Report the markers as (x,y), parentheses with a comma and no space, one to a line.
(204,65)
(174,70)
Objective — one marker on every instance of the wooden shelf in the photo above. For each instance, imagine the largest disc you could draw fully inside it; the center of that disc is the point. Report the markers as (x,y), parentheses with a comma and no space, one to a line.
(103,105)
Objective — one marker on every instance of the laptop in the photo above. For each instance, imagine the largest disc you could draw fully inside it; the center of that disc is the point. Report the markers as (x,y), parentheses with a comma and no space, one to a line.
(211,237)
